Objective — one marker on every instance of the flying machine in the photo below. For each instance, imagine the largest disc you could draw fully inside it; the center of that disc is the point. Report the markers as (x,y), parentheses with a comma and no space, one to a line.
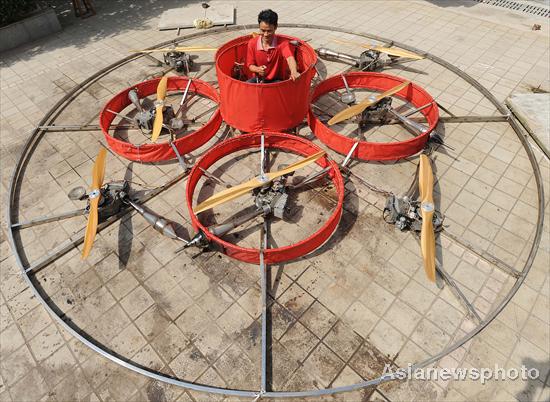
(270,191)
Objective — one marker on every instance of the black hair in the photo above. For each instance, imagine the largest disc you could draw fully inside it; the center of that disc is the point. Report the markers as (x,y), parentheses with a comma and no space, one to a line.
(268,16)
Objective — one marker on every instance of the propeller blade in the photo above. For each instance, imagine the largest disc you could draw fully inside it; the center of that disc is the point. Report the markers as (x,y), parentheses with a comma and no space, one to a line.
(161,88)
(295,166)
(427,236)
(98,174)
(398,52)
(388,50)
(371,100)
(238,191)
(91,228)
(98,171)
(159,105)
(157,124)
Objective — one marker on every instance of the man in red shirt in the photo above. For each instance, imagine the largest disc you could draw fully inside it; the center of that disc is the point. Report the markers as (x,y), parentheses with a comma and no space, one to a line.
(268,55)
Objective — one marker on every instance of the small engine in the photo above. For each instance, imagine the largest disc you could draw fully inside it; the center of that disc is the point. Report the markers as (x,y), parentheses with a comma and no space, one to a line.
(370,60)
(237,72)
(111,201)
(405,214)
(112,196)
(144,120)
(179,61)
(273,196)
(377,113)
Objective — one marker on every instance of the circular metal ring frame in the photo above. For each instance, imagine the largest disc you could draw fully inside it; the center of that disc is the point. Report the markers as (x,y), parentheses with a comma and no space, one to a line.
(283,142)
(37,134)
(374,151)
(155,152)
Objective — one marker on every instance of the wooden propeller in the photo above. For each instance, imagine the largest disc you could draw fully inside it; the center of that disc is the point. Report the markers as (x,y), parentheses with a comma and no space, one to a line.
(371,100)
(98,174)
(159,105)
(427,235)
(392,51)
(237,191)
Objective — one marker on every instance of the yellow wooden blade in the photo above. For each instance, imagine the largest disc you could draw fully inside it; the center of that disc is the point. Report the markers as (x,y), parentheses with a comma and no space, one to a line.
(157,124)
(427,236)
(228,195)
(98,171)
(295,166)
(397,52)
(392,91)
(98,175)
(161,88)
(388,50)
(425,179)
(427,242)
(91,227)
(240,190)
(371,100)
(349,112)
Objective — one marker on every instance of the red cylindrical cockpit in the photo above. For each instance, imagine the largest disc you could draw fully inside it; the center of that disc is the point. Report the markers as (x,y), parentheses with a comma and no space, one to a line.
(256,107)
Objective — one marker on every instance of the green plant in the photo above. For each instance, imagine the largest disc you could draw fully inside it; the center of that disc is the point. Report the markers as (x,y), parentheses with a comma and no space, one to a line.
(14,10)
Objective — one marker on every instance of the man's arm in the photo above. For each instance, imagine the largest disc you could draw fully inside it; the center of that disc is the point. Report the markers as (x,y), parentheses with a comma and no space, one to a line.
(293,66)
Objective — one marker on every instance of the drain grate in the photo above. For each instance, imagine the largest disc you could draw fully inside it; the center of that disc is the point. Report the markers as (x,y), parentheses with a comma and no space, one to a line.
(522,6)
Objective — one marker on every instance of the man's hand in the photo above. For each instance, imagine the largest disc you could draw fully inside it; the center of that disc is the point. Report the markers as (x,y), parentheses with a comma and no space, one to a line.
(294,75)
(260,70)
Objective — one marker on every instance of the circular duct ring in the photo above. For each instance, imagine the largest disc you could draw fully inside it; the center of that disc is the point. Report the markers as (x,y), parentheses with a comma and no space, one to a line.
(377,151)
(154,152)
(283,142)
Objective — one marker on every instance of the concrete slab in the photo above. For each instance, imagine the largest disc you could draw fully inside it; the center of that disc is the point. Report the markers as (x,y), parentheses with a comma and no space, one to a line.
(533,110)
(219,14)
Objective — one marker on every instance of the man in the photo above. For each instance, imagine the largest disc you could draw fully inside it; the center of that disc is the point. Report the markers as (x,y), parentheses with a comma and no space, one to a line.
(268,55)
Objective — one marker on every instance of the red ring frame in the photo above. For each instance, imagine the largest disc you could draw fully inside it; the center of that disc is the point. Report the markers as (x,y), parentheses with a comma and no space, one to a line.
(272,140)
(376,151)
(161,151)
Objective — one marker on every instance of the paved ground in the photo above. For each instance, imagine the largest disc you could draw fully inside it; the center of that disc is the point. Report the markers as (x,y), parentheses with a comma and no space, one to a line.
(338,315)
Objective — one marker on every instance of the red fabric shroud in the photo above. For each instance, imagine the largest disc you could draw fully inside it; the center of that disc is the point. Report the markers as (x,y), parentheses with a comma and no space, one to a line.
(272,140)
(256,107)
(377,151)
(153,152)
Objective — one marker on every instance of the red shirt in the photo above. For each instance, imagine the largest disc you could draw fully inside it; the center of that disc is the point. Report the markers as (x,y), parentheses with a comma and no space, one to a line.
(274,58)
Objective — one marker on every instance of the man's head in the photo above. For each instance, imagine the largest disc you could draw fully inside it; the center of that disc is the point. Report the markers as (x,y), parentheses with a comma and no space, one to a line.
(267,19)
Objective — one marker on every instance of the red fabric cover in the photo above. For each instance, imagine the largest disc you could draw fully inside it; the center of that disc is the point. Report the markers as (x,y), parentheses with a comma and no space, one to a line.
(153,152)
(255,107)
(377,151)
(273,58)
(272,140)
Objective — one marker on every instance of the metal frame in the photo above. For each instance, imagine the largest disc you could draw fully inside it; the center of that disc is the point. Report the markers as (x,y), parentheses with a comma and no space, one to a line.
(49,118)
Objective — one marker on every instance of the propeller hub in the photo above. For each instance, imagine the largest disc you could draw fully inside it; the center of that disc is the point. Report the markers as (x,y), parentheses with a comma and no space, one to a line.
(263,178)
(94,194)
(427,206)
